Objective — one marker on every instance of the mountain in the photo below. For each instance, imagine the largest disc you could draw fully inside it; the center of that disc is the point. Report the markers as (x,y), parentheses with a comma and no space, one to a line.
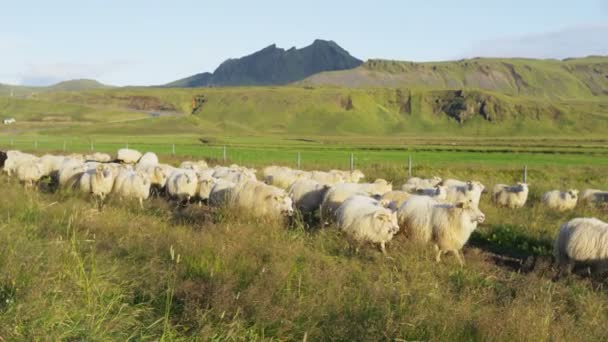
(275,66)
(570,78)
(71,85)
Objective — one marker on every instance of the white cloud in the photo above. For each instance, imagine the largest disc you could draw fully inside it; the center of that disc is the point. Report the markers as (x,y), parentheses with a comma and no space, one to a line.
(47,74)
(569,42)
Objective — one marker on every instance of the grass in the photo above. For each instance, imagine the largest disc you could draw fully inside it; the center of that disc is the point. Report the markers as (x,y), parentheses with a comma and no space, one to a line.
(70,272)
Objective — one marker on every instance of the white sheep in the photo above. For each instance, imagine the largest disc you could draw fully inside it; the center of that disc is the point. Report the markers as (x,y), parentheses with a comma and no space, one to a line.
(398,197)
(449,226)
(69,173)
(29,173)
(439,192)
(133,184)
(182,184)
(582,240)
(194,165)
(414,183)
(510,196)
(205,186)
(365,219)
(149,158)
(128,156)
(157,172)
(262,200)
(326,177)
(307,195)
(284,178)
(460,193)
(354,176)
(594,196)
(98,157)
(16,158)
(561,200)
(98,181)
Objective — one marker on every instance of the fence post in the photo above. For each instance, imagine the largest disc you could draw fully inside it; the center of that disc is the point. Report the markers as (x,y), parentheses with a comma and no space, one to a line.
(36,144)
(127,145)
(64,146)
(352,162)
(173,150)
(299,158)
(92,146)
(409,166)
(526,174)
(225,156)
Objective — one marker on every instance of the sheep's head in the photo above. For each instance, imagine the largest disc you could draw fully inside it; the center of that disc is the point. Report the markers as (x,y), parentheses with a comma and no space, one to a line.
(475,214)
(436,180)
(160,176)
(387,221)
(282,202)
(205,187)
(475,186)
(356,176)
(441,192)
(573,193)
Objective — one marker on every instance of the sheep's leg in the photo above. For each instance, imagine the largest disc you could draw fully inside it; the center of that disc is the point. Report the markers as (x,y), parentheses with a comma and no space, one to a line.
(141,202)
(383,247)
(438,254)
(460,256)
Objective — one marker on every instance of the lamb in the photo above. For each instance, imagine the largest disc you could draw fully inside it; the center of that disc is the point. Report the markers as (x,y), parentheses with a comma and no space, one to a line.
(449,226)
(182,184)
(414,183)
(29,173)
(561,200)
(133,184)
(514,196)
(460,193)
(365,219)
(98,157)
(128,156)
(594,196)
(307,195)
(582,240)
(149,158)
(262,200)
(221,193)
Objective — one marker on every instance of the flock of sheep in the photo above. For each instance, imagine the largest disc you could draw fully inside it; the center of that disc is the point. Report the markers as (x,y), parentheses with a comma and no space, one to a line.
(440,212)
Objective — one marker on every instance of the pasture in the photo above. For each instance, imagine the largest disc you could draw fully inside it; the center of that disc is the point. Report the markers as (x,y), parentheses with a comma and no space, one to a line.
(72,272)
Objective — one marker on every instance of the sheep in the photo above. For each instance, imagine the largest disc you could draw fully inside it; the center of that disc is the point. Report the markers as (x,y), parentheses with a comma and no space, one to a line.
(182,185)
(149,158)
(448,226)
(460,193)
(98,157)
(594,196)
(582,240)
(453,182)
(133,184)
(29,173)
(341,191)
(221,193)
(205,186)
(307,195)
(194,165)
(398,197)
(69,173)
(3,157)
(233,175)
(354,176)
(560,200)
(98,181)
(514,196)
(128,156)
(16,158)
(262,200)
(365,219)
(414,183)
(285,178)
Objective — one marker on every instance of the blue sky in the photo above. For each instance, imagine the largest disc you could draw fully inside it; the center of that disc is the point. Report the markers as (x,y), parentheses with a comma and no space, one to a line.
(133,42)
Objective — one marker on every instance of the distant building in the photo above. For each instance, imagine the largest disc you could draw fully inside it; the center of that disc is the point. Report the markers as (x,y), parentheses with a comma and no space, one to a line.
(9,121)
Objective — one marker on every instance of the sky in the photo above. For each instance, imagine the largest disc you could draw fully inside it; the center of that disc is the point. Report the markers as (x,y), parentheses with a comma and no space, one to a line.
(134,42)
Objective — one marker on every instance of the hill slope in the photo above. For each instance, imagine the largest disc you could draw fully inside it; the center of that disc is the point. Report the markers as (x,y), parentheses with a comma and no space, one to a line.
(572,78)
(71,85)
(275,66)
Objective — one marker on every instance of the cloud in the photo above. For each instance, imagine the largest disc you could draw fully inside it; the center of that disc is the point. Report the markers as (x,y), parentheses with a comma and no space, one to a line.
(48,74)
(569,42)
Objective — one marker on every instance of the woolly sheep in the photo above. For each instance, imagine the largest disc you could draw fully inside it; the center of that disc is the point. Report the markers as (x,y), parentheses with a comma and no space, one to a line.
(262,200)
(453,182)
(449,226)
(69,173)
(157,173)
(594,196)
(16,158)
(326,177)
(30,173)
(561,200)
(149,158)
(194,165)
(582,240)
(354,176)
(439,192)
(365,219)
(205,185)
(182,184)
(460,193)
(414,183)
(98,157)
(98,182)
(285,178)
(398,197)
(128,156)
(307,195)
(3,157)
(133,184)
(221,193)
(510,196)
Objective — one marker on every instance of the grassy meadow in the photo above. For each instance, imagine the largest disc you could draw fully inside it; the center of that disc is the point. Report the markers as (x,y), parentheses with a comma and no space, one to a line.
(72,272)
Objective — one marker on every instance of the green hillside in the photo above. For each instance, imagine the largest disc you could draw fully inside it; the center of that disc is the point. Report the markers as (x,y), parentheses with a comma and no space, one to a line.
(338,111)
(568,79)
(31,91)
